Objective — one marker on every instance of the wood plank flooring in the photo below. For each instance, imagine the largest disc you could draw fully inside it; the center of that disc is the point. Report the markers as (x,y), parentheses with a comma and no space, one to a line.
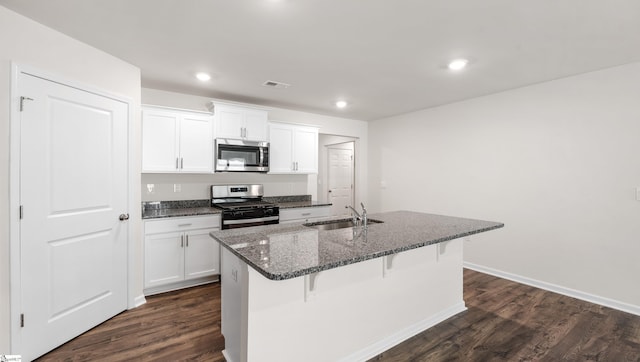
(177,326)
(506,321)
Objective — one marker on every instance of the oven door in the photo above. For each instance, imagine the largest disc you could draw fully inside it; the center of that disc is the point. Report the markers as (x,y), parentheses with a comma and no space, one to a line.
(233,219)
(241,156)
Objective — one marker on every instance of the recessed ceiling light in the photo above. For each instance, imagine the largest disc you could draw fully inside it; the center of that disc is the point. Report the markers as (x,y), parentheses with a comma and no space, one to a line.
(458,64)
(341,104)
(203,77)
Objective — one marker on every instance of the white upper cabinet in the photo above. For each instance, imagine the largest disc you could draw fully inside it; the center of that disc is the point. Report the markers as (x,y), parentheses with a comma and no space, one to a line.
(292,148)
(240,122)
(280,148)
(176,141)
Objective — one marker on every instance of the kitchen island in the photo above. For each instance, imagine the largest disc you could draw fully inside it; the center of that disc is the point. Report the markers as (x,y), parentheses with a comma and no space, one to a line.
(292,292)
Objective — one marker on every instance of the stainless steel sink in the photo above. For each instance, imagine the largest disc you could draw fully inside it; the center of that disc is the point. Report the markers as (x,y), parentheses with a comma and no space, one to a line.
(338,224)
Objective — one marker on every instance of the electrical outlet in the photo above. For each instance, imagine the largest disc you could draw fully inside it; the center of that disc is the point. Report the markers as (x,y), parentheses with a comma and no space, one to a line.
(177,188)
(234,275)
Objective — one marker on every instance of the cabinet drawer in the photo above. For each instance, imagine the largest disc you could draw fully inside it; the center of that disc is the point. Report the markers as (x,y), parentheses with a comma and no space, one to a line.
(303,213)
(181,224)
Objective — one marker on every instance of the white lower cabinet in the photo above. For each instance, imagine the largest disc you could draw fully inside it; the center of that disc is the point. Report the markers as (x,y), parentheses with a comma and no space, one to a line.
(304,214)
(179,252)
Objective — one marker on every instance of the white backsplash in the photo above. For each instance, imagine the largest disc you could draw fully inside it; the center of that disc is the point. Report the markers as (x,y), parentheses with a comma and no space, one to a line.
(172,187)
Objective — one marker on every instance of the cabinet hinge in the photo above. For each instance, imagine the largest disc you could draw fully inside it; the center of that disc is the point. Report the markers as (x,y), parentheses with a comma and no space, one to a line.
(22,99)
(21,320)
(21,212)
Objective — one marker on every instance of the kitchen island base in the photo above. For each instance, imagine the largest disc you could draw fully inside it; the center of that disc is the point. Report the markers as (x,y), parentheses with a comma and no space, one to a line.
(351,313)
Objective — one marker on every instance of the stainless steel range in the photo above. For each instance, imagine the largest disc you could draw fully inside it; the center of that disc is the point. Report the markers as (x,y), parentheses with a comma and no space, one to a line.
(242,206)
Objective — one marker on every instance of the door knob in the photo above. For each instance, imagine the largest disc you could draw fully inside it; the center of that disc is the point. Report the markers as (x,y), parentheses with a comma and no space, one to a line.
(124,217)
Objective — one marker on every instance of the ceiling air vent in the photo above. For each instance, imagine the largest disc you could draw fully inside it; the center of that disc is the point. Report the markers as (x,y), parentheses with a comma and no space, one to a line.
(274,84)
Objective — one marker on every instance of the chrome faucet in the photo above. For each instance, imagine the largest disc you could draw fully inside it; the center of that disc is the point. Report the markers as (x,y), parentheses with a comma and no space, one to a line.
(357,217)
(364,216)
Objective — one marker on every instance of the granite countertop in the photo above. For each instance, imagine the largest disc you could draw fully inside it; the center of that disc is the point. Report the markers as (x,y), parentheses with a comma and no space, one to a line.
(177,212)
(298,204)
(163,209)
(287,251)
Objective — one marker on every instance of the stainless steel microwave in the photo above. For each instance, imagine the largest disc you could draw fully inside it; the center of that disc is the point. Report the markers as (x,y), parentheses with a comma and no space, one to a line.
(241,156)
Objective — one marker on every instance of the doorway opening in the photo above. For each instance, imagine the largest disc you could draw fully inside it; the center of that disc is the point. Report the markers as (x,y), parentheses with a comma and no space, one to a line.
(336,172)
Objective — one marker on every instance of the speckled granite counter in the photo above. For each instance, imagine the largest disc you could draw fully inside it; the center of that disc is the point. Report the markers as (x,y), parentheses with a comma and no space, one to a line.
(299,204)
(163,209)
(287,251)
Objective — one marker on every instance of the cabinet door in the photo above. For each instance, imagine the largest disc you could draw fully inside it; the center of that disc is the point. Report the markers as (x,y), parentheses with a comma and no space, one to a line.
(255,122)
(164,259)
(305,149)
(202,254)
(159,141)
(280,148)
(229,122)
(196,144)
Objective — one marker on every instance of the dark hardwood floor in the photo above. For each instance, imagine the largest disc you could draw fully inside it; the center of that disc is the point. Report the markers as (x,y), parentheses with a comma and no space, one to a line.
(177,326)
(506,321)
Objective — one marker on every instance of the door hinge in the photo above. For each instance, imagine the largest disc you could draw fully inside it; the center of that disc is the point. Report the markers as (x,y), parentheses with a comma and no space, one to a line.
(21,212)
(22,99)
(22,320)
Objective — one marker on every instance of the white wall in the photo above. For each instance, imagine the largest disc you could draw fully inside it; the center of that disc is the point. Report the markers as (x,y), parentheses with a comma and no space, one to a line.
(165,187)
(274,184)
(557,162)
(28,43)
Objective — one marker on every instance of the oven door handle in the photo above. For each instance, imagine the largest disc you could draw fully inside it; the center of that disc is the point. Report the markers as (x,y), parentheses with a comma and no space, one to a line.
(250,221)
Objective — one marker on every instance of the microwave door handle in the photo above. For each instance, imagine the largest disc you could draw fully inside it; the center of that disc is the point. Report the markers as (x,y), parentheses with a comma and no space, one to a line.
(261,156)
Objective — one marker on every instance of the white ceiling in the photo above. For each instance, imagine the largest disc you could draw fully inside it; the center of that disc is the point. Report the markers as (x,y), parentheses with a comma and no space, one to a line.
(385,57)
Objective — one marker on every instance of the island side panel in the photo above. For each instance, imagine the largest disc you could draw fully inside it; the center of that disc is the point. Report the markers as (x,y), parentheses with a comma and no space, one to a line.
(234,304)
(356,311)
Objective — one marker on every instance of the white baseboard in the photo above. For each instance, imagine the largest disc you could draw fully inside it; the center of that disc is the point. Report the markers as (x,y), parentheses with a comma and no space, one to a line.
(404,334)
(591,298)
(226,356)
(139,300)
(181,285)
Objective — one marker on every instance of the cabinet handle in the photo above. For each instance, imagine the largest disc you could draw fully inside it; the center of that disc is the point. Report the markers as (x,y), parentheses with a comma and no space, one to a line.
(306,214)
(246,133)
(187,237)
(181,225)
(182,241)
(181,162)
(177,163)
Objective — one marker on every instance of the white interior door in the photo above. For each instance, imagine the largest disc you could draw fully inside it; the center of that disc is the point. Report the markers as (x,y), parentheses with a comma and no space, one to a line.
(340,179)
(73,188)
